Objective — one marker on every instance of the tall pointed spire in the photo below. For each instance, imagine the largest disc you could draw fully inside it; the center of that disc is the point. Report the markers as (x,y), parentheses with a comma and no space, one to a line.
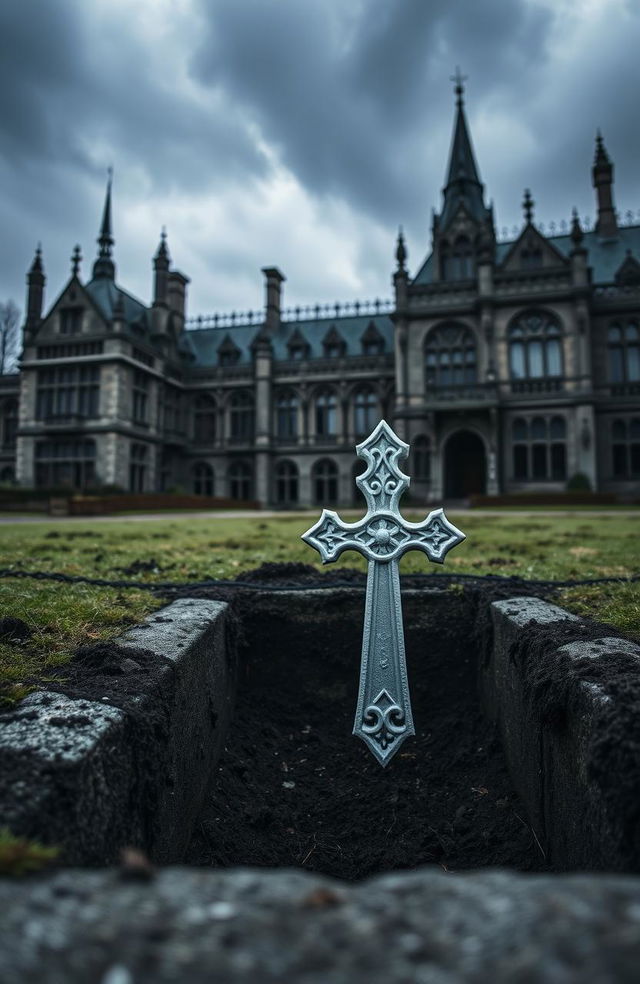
(104,265)
(463,181)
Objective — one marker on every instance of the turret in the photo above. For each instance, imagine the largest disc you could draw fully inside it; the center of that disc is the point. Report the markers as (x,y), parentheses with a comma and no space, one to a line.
(35,291)
(161,271)
(401,277)
(602,176)
(579,273)
(104,265)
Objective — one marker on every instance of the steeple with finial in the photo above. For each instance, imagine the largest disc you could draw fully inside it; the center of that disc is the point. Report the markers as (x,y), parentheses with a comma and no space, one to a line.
(401,252)
(576,233)
(463,182)
(104,265)
(76,260)
(602,176)
(527,206)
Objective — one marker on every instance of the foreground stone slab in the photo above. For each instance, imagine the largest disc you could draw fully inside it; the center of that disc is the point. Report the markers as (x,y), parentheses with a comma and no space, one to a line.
(132,766)
(254,926)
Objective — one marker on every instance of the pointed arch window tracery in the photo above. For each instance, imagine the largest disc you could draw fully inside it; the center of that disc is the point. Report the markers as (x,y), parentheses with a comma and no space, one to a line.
(450,357)
(535,347)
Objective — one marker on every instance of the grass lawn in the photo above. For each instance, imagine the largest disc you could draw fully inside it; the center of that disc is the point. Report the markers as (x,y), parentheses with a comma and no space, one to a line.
(181,548)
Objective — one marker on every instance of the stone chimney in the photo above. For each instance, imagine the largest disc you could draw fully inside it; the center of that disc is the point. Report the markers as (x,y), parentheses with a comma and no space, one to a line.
(602,176)
(273,290)
(177,294)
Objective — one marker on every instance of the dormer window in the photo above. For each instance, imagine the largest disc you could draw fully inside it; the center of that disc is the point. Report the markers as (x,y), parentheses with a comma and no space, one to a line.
(333,344)
(228,353)
(298,346)
(372,341)
(70,321)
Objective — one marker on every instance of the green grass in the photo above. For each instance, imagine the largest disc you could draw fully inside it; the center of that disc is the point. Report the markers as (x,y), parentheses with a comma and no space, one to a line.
(186,549)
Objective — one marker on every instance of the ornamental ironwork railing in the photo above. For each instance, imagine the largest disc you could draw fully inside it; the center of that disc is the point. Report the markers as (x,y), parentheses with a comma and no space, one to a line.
(562,228)
(299,312)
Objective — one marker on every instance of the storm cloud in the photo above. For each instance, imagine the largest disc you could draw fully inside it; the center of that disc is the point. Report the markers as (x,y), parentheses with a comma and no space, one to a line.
(296,133)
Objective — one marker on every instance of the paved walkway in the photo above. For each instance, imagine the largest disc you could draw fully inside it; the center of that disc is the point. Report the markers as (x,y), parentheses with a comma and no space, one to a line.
(8,519)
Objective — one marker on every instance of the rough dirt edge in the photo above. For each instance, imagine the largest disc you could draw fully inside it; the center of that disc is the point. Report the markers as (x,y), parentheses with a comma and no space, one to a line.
(243,927)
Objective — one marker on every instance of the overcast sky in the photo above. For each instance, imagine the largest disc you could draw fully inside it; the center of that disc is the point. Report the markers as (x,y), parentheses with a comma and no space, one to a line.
(296,133)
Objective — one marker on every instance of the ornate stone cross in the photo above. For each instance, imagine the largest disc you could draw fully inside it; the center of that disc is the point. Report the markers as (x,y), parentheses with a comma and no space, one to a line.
(383,715)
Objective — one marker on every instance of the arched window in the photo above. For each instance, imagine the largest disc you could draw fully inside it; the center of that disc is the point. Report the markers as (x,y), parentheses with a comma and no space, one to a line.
(204,419)
(365,411)
(240,481)
(241,409)
(450,356)
(324,476)
(9,423)
(286,483)
(539,448)
(535,347)
(625,448)
(202,478)
(421,455)
(326,405)
(624,352)
(286,415)
(66,463)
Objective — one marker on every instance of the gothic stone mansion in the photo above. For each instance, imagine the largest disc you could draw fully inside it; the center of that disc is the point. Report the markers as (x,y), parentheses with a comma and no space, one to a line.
(508,366)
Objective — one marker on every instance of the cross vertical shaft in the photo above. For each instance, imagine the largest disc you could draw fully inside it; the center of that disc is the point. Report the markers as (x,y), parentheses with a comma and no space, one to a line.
(383,714)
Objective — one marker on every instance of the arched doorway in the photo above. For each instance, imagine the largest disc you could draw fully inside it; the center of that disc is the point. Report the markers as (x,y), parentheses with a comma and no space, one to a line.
(465,465)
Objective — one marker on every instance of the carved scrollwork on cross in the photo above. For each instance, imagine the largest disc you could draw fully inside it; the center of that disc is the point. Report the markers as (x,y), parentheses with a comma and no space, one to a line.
(383,720)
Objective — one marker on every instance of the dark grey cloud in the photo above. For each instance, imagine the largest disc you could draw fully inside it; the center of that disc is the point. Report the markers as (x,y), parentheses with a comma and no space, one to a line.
(348,93)
(206,106)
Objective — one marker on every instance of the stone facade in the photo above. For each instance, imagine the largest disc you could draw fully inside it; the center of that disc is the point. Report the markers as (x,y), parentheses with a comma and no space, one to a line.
(508,366)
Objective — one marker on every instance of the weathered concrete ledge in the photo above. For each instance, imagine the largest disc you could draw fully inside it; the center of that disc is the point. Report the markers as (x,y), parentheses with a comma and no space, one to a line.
(241,926)
(93,776)
(551,754)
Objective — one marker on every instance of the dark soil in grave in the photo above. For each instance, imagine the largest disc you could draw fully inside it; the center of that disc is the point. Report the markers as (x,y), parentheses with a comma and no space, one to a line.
(295,788)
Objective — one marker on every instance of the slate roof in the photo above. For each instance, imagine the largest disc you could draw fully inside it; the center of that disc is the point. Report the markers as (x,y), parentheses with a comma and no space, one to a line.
(204,342)
(104,294)
(605,256)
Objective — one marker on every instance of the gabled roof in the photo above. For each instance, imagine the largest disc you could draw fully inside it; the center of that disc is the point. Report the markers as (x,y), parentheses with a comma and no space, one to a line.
(105,294)
(531,235)
(629,270)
